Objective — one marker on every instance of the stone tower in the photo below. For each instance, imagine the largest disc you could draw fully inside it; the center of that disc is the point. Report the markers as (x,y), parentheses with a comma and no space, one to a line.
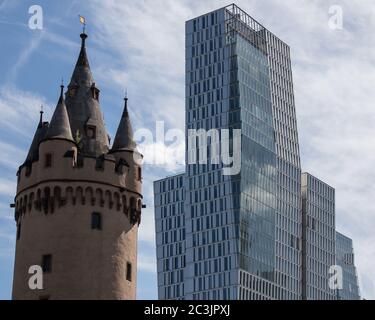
(78,202)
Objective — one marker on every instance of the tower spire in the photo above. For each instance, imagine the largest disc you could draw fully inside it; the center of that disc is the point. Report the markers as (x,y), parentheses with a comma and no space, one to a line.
(82,103)
(39,135)
(124,135)
(60,126)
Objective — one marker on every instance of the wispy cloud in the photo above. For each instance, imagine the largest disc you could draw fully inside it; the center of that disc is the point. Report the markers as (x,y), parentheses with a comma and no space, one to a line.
(26,53)
(170,158)
(7,4)
(152,68)
(7,239)
(15,105)
(147,263)
(7,187)
(11,156)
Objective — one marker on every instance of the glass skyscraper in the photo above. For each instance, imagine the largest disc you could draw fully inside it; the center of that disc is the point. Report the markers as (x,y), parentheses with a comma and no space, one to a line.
(234,236)
(243,232)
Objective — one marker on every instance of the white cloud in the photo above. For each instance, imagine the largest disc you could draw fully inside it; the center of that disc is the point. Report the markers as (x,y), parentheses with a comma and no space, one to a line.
(7,226)
(147,227)
(150,59)
(146,263)
(26,53)
(11,156)
(5,5)
(16,106)
(7,240)
(172,159)
(7,187)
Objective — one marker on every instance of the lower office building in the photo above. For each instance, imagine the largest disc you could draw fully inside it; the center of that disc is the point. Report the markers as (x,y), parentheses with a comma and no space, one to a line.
(345,259)
(170,236)
(318,238)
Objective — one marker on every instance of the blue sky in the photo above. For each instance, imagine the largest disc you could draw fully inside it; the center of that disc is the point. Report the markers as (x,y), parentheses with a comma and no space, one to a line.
(139,46)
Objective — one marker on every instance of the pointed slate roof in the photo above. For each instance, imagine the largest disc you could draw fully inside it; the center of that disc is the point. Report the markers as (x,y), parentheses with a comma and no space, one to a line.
(124,137)
(83,107)
(59,126)
(39,135)
(82,72)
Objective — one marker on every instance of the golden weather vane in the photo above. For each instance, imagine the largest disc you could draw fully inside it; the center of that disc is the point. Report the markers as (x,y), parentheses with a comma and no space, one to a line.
(82,20)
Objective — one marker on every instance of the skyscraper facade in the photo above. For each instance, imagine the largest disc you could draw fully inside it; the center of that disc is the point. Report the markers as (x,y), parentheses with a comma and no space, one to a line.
(243,231)
(345,259)
(318,238)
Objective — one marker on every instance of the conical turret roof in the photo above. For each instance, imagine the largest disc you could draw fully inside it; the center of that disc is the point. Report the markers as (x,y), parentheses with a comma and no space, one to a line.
(124,139)
(39,135)
(82,72)
(59,127)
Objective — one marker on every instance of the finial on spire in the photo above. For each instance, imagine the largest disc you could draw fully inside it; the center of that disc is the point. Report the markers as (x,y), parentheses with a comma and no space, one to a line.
(41,116)
(126,102)
(61,92)
(82,20)
(83,35)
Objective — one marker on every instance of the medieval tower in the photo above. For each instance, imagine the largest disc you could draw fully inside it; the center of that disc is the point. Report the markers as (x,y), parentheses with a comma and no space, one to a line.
(78,202)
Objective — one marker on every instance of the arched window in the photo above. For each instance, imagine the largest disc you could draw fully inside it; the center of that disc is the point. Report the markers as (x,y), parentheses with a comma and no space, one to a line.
(96,221)
(133,210)
(18,231)
(128,271)
(48,160)
(46,199)
(47,263)
(139,174)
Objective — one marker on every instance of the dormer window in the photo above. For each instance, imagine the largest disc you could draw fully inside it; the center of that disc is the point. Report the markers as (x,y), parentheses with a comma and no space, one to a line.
(91,132)
(96,95)
(95,92)
(72,90)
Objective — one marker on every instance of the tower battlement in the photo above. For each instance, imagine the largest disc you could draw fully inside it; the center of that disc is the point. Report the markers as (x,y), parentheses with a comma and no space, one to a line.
(60,161)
